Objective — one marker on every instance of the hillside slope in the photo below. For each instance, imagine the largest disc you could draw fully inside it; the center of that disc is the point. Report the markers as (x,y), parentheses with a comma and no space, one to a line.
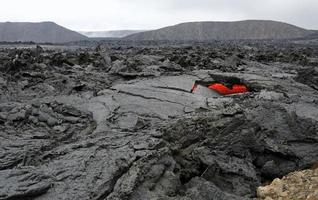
(250,29)
(37,32)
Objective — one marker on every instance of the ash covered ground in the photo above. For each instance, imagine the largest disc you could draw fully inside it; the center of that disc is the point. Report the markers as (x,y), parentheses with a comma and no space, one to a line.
(119,121)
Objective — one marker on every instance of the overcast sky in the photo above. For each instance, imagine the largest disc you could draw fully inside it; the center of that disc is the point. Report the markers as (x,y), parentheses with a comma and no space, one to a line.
(152,14)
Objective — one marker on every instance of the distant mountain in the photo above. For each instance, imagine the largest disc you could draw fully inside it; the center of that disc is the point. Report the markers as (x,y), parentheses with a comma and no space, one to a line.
(109,34)
(314,35)
(202,31)
(37,32)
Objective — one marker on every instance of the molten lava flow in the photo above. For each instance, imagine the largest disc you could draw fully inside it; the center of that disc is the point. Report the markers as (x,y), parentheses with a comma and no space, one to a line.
(195,86)
(222,89)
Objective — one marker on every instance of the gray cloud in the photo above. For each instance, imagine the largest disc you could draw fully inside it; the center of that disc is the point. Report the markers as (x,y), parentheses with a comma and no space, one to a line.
(151,14)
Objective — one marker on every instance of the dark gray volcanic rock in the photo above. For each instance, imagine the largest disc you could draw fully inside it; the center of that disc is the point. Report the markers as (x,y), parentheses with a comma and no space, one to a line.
(202,31)
(121,123)
(37,32)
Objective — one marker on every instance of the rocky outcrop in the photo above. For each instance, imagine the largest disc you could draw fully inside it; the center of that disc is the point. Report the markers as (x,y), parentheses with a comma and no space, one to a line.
(296,185)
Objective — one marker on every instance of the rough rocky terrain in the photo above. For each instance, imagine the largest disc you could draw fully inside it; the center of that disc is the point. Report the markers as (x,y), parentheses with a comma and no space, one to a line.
(297,185)
(120,122)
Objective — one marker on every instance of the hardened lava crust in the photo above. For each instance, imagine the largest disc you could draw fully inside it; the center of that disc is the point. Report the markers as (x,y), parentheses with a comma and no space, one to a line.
(119,121)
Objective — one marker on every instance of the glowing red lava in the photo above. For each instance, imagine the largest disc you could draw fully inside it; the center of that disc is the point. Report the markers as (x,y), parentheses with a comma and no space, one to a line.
(224,90)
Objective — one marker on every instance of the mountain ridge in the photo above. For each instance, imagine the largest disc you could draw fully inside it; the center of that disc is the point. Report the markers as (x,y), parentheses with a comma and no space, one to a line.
(40,32)
(218,30)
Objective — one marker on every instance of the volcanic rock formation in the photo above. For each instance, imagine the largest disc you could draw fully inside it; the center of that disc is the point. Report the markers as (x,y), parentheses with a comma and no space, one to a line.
(122,123)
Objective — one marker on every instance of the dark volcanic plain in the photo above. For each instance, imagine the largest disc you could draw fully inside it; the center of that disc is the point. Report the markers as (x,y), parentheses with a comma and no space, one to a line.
(119,122)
